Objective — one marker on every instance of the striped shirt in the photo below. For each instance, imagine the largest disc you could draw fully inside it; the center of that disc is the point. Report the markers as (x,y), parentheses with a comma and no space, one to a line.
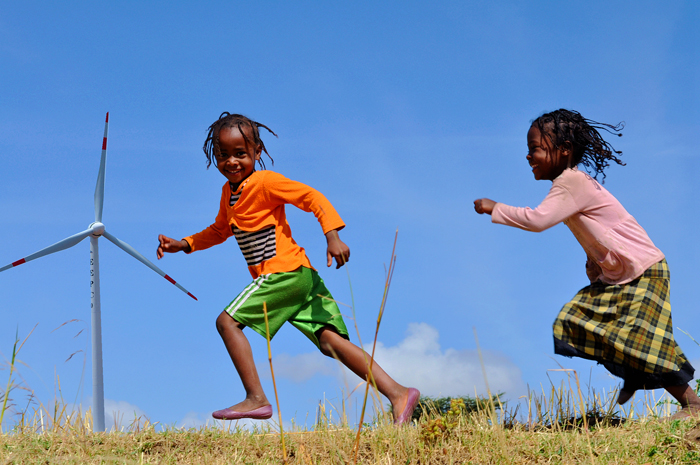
(256,246)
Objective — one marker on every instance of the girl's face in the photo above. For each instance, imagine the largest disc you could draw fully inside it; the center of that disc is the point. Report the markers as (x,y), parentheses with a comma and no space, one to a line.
(546,162)
(236,159)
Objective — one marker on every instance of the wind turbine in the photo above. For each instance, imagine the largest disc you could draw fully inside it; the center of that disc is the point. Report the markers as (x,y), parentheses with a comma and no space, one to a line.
(95,231)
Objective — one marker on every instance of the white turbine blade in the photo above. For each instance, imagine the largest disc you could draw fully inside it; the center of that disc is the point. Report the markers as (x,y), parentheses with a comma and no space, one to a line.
(100,187)
(131,251)
(57,247)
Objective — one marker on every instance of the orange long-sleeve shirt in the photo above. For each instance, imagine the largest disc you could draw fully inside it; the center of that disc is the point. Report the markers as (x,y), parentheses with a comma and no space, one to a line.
(255,215)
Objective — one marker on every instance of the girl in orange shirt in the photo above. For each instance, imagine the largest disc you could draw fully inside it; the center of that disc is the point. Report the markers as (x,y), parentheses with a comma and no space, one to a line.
(252,210)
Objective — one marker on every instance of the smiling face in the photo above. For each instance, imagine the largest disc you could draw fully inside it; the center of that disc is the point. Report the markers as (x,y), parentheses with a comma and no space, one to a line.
(546,161)
(236,158)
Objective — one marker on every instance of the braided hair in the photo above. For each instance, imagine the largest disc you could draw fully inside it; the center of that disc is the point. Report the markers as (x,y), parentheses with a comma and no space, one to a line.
(242,123)
(568,128)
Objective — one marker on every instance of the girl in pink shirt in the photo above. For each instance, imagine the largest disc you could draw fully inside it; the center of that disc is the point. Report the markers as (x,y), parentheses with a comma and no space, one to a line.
(623,318)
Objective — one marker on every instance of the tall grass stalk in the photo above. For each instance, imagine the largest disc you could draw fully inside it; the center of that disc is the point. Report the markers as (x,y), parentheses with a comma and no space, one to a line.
(370,380)
(359,337)
(13,360)
(274,384)
(9,379)
(492,406)
(81,384)
(583,411)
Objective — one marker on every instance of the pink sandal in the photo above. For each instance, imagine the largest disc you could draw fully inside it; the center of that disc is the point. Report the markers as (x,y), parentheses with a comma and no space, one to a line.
(411,403)
(262,413)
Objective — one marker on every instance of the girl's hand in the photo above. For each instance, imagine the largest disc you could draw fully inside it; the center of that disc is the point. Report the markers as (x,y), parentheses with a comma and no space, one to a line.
(593,270)
(166,244)
(336,249)
(484,206)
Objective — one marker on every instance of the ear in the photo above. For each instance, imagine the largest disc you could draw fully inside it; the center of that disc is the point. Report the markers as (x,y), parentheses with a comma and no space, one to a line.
(566,149)
(258,152)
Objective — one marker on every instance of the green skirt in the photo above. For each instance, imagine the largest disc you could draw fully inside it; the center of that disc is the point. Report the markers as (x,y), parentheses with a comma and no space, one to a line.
(628,329)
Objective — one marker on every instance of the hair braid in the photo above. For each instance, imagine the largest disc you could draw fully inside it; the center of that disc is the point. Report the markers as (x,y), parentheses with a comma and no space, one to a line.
(228,120)
(588,147)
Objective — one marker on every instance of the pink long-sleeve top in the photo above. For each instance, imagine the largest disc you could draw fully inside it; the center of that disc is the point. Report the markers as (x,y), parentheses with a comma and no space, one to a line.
(618,248)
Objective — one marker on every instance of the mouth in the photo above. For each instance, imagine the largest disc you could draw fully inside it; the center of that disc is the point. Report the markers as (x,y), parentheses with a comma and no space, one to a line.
(234,172)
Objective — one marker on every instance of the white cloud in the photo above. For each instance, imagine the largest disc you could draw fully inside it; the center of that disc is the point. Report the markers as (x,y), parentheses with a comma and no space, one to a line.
(119,415)
(417,361)
(195,420)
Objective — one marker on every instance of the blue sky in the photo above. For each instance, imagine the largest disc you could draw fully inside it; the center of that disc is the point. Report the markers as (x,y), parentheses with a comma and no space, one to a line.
(400,113)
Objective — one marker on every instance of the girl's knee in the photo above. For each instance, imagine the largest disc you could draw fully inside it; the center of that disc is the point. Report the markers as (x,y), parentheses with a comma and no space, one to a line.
(224,321)
(326,349)
(328,341)
(323,343)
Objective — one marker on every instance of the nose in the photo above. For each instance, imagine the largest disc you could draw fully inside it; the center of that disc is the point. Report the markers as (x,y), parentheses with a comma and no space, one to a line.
(227,161)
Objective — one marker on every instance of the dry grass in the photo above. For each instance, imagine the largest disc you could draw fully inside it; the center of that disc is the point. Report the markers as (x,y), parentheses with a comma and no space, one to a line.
(555,426)
(466,439)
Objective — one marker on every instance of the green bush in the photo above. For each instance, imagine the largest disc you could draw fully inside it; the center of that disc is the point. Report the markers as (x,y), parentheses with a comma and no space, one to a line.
(439,406)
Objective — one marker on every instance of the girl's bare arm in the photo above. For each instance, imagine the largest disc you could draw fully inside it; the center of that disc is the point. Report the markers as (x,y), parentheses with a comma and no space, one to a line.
(167,244)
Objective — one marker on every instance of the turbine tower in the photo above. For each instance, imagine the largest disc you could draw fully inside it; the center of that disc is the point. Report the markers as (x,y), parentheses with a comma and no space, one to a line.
(95,231)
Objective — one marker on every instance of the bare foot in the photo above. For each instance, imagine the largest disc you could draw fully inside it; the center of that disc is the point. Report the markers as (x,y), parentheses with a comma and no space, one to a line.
(624,396)
(689,412)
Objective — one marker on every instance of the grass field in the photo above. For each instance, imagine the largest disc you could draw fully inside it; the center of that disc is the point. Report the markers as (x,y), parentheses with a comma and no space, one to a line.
(560,425)
(553,432)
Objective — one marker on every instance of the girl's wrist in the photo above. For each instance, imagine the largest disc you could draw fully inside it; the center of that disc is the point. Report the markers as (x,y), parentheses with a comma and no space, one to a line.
(332,235)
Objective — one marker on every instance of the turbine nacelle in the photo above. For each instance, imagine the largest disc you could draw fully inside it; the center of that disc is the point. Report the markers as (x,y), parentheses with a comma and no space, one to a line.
(96,229)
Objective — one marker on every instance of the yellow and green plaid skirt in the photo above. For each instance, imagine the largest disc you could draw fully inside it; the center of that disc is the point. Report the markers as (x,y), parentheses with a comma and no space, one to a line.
(628,329)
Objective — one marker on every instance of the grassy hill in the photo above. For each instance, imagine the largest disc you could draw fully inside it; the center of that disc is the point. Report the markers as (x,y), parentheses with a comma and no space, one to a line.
(455,436)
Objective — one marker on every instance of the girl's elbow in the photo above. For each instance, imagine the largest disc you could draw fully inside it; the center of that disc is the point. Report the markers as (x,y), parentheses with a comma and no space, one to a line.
(539,223)
(539,227)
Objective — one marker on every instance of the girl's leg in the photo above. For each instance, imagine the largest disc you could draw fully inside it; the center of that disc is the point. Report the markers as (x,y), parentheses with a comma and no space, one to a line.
(690,403)
(239,350)
(624,396)
(336,346)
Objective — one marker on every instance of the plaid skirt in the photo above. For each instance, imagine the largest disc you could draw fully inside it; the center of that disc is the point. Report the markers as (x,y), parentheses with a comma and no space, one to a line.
(628,329)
